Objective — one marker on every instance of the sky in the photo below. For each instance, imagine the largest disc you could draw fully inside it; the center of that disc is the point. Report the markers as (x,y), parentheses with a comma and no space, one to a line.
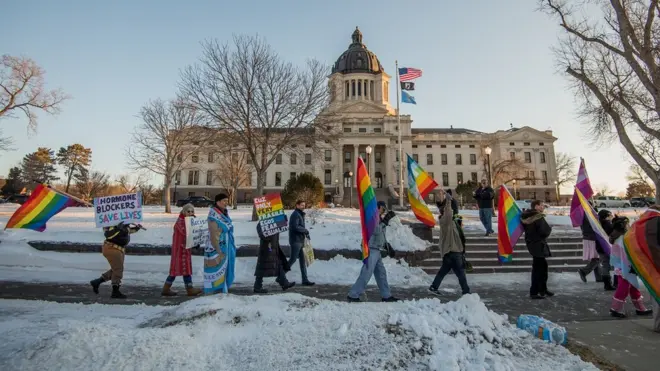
(487,64)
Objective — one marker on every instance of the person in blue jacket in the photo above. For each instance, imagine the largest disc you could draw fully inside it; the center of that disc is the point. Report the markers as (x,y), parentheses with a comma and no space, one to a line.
(297,235)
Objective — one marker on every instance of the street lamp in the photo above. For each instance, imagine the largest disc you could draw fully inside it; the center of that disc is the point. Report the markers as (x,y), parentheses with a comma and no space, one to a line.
(557,190)
(488,151)
(368,149)
(515,193)
(336,187)
(350,176)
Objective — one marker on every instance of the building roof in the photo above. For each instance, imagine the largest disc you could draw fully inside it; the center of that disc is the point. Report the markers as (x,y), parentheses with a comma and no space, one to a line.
(444,131)
(357,58)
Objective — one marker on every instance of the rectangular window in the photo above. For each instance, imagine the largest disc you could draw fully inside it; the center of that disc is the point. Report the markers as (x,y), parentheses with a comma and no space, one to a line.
(328,155)
(459,159)
(431,175)
(541,144)
(278,179)
(512,155)
(292,175)
(532,177)
(191,194)
(443,146)
(542,154)
(414,146)
(207,194)
(512,143)
(195,157)
(528,157)
(193,177)
(211,157)
(429,159)
(443,159)
(526,144)
(294,158)
(378,130)
(347,130)
(378,157)
(327,177)
(177,176)
(397,156)
(473,159)
(308,146)
(445,179)
(471,145)
(474,176)
(179,157)
(429,146)
(308,158)
(459,178)
(278,159)
(209,177)
(347,157)
(416,158)
(362,130)
(457,146)
(544,175)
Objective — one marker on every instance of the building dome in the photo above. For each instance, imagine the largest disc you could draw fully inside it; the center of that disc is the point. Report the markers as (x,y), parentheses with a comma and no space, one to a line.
(357,58)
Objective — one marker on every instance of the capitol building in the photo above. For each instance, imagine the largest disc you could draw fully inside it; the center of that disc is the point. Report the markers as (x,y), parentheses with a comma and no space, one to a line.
(523,158)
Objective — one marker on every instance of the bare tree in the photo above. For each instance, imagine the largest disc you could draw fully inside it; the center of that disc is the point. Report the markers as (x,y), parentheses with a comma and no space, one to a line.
(6,143)
(505,171)
(565,168)
(265,103)
(22,89)
(91,184)
(128,184)
(233,171)
(614,65)
(160,143)
(637,175)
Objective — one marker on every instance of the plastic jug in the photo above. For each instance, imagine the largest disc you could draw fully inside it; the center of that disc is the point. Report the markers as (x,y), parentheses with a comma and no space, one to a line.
(542,329)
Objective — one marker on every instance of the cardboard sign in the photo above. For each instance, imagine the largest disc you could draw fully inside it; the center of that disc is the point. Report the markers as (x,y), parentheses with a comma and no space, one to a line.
(112,210)
(197,231)
(270,212)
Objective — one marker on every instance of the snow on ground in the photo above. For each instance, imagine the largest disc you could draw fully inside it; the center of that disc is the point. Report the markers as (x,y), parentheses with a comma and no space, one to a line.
(330,229)
(282,332)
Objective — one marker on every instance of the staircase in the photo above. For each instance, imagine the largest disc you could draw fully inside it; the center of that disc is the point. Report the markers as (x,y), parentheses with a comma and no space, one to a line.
(481,252)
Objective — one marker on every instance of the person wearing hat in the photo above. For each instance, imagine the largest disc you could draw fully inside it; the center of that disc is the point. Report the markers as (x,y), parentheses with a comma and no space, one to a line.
(374,264)
(181,257)
(220,252)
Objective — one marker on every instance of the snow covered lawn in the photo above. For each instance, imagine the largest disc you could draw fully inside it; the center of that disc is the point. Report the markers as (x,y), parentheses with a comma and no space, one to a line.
(282,332)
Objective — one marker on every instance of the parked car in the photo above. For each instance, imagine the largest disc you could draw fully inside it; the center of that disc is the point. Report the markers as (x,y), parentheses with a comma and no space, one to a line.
(197,201)
(611,201)
(527,204)
(17,199)
(642,201)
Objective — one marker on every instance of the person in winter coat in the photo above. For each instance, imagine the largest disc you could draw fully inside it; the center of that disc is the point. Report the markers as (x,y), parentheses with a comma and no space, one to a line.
(454,203)
(378,246)
(220,251)
(537,230)
(628,282)
(114,251)
(597,259)
(181,257)
(484,196)
(297,235)
(452,247)
(271,262)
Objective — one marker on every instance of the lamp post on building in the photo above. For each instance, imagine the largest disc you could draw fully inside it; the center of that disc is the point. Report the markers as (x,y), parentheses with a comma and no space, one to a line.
(515,193)
(369,149)
(336,187)
(350,176)
(557,190)
(488,151)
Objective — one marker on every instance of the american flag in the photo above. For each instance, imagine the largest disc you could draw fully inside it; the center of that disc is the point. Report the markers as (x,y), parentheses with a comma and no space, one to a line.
(407,74)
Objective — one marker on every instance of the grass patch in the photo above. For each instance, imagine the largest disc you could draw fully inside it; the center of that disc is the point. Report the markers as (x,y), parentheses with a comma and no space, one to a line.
(587,355)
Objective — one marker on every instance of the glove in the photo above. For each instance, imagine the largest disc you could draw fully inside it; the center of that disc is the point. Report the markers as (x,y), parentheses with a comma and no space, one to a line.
(386,219)
(390,251)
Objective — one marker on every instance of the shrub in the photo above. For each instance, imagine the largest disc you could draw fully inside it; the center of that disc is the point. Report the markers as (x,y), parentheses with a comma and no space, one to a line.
(304,187)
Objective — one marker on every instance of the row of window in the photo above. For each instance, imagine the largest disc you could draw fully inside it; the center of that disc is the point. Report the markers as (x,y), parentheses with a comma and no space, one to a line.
(528,157)
(526,144)
(444,146)
(193,178)
(531,178)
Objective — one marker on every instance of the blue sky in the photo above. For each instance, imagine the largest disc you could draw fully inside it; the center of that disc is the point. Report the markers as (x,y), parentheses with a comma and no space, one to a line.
(486,63)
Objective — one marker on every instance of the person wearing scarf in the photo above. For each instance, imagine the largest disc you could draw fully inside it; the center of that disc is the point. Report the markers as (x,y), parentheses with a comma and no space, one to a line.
(220,252)
(181,257)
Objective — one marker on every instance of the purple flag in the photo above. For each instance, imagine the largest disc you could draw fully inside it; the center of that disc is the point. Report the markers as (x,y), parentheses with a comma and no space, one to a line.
(584,185)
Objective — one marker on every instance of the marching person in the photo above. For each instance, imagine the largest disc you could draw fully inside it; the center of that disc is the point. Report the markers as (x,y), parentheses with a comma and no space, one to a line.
(297,235)
(114,250)
(451,246)
(181,257)
(220,252)
(537,230)
(271,262)
(484,196)
(374,265)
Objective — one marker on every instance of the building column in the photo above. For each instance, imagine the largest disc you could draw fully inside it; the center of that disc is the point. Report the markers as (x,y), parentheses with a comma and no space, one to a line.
(340,170)
(355,158)
(372,165)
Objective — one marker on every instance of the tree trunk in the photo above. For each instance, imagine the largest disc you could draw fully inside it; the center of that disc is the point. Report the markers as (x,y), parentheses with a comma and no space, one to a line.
(168,203)
(657,191)
(259,193)
(68,181)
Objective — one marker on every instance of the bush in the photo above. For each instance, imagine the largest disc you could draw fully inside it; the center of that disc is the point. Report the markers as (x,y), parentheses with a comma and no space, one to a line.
(304,187)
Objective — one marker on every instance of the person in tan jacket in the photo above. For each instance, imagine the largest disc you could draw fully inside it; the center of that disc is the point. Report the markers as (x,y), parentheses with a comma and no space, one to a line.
(451,247)
(114,250)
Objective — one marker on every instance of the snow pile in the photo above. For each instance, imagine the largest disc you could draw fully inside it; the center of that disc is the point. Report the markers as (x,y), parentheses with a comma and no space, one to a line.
(283,332)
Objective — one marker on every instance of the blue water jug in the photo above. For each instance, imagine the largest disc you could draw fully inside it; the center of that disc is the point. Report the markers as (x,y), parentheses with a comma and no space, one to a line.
(542,329)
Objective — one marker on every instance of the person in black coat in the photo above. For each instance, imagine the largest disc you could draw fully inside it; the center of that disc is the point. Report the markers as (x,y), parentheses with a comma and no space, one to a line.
(537,231)
(271,262)
(484,196)
(298,233)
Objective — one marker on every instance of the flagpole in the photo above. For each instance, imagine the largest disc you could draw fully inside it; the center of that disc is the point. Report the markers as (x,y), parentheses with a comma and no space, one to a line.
(398,123)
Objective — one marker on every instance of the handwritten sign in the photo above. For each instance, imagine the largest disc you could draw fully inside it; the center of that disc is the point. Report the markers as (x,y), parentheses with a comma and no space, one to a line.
(197,231)
(271,214)
(112,210)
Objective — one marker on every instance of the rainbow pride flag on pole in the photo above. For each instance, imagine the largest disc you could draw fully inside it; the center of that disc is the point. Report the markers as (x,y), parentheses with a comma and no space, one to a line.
(43,204)
(368,209)
(642,246)
(509,225)
(601,237)
(420,184)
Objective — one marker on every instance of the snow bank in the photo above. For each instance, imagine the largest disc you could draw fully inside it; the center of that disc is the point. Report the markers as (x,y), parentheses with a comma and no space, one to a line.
(330,229)
(283,332)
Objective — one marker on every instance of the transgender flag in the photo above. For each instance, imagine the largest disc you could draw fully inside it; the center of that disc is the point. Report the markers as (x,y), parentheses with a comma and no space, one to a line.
(584,186)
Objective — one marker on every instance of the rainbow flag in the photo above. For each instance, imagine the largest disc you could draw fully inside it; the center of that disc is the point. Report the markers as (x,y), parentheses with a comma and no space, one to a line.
(368,210)
(642,246)
(584,185)
(602,238)
(509,226)
(42,205)
(419,185)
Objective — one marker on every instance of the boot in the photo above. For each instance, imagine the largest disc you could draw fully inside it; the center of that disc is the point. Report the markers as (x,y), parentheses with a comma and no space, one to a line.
(607,284)
(167,290)
(391,299)
(617,310)
(615,281)
(191,291)
(96,283)
(640,308)
(583,276)
(116,294)
(287,285)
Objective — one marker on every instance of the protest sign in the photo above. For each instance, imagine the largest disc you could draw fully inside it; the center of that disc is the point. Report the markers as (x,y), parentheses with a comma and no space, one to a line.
(197,231)
(112,210)
(271,214)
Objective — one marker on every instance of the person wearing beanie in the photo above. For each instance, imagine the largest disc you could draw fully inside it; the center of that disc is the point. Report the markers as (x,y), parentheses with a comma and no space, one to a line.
(181,257)
(220,252)
(297,235)
(374,264)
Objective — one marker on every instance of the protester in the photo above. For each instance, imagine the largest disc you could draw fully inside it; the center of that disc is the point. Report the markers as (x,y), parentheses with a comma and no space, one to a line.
(114,251)
(537,230)
(451,246)
(374,264)
(271,262)
(484,196)
(297,235)
(220,253)
(595,255)
(605,218)
(454,203)
(181,257)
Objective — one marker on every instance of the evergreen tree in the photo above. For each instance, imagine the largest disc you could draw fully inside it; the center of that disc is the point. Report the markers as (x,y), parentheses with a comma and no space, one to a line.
(75,159)
(14,182)
(39,167)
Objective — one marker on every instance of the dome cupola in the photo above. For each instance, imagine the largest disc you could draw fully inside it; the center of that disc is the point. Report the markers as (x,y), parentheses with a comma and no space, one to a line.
(357,58)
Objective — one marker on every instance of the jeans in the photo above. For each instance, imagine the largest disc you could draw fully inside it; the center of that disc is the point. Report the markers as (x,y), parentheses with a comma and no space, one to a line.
(656,316)
(187,280)
(281,279)
(373,267)
(452,261)
(539,276)
(486,217)
(297,253)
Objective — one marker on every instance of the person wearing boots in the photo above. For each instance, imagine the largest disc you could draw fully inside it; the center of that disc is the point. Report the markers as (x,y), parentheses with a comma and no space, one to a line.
(271,262)
(537,231)
(297,235)
(598,261)
(605,218)
(181,257)
(374,265)
(116,240)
